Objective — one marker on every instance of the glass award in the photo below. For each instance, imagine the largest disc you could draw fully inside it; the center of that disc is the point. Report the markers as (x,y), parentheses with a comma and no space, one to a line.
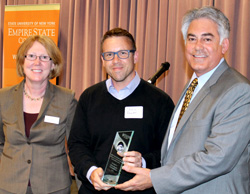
(114,165)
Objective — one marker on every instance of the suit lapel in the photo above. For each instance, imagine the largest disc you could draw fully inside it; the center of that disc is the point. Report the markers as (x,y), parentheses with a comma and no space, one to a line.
(192,107)
(18,101)
(49,94)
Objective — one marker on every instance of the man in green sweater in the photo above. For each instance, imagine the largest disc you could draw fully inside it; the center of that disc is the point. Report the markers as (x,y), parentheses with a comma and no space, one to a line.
(124,102)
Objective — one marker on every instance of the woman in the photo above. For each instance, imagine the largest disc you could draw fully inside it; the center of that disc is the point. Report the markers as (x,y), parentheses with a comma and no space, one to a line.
(35,117)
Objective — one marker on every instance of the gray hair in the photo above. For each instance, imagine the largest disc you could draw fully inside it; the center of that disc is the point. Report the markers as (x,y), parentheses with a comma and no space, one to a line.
(210,13)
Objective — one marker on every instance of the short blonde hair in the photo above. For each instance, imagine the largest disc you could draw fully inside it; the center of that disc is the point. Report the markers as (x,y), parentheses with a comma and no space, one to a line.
(51,48)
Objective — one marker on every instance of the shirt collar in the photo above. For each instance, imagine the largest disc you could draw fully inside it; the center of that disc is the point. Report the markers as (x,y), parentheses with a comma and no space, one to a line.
(126,91)
(203,79)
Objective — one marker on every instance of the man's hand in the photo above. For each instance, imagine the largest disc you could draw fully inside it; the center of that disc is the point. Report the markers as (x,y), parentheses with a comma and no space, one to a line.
(132,158)
(141,180)
(95,178)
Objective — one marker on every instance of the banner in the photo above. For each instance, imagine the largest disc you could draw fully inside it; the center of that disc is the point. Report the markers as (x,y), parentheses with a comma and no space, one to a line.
(20,22)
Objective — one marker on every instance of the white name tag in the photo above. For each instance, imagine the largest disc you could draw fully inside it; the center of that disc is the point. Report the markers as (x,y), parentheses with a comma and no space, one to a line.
(133,112)
(51,119)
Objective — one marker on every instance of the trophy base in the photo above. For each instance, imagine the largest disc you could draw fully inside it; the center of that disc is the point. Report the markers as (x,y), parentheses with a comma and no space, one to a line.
(110,179)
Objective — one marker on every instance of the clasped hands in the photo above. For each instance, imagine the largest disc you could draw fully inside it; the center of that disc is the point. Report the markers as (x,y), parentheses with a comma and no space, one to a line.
(132,164)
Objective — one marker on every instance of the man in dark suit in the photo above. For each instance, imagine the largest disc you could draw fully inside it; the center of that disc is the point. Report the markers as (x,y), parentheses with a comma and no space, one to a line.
(207,149)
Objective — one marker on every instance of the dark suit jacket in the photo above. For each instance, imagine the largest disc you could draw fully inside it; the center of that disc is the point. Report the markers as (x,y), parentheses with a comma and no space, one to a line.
(41,158)
(210,149)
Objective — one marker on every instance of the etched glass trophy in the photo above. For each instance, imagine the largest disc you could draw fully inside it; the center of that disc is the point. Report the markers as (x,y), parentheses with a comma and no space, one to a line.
(114,165)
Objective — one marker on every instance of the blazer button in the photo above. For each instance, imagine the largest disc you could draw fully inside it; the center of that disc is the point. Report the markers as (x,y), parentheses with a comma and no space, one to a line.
(28,161)
(28,143)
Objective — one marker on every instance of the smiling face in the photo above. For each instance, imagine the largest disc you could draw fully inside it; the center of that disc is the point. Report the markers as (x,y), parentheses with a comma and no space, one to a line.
(121,71)
(203,50)
(37,70)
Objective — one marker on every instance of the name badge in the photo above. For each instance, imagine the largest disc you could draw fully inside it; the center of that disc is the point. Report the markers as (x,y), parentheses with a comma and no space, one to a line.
(133,112)
(51,119)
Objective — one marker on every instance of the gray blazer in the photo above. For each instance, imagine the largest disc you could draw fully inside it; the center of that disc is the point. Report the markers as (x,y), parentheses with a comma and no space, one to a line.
(41,158)
(210,149)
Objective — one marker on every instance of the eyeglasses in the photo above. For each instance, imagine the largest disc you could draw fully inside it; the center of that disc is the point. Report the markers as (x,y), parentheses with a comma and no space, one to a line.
(122,54)
(32,57)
